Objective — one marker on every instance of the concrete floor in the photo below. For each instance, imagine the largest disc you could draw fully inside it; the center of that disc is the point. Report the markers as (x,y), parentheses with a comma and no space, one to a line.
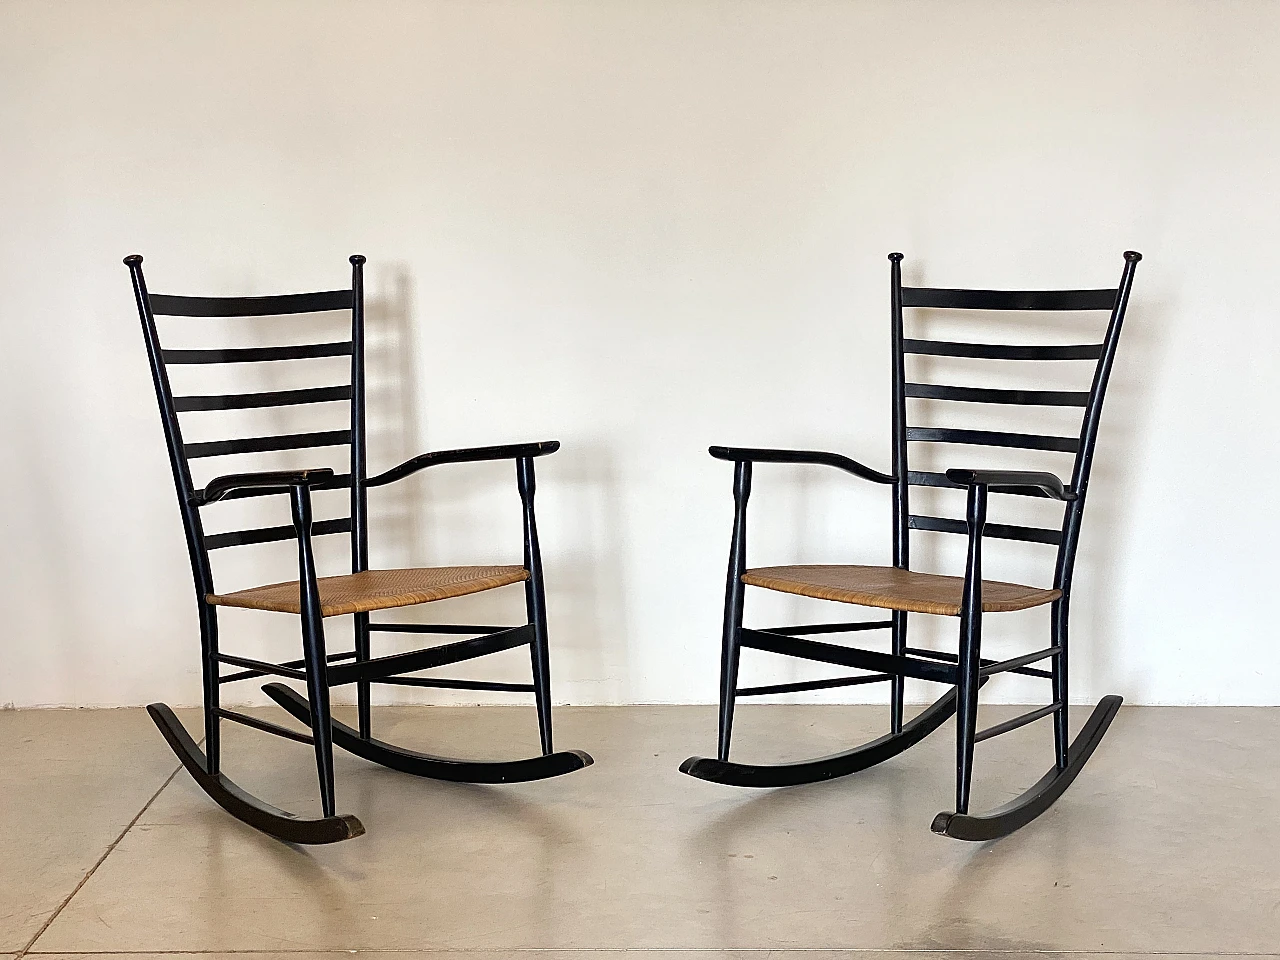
(1167,844)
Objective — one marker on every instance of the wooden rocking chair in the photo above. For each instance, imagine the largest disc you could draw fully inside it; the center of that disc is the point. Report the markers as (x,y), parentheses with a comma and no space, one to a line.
(904,591)
(313,599)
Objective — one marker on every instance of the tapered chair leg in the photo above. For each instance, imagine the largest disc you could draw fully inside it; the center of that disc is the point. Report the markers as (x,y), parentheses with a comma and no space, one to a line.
(967,683)
(735,591)
(313,651)
(540,658)
(536,604)
(730,656)
(969,662)
(321,717)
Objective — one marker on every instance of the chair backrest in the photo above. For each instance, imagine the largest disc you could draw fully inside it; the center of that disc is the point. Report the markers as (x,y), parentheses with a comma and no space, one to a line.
(181,453)
(1112,300)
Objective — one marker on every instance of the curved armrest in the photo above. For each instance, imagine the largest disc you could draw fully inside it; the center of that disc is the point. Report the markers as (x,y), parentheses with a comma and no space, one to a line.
(997,479)
(279,480)
(757,455)
(512,451)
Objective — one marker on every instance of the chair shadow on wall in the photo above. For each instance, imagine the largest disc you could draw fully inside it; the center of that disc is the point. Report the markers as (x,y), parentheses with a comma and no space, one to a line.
(1113,497)
(410,520)
(1115,487)
(583,586)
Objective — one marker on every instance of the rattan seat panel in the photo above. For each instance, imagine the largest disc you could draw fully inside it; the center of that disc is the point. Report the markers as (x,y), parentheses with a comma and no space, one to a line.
(894,589)
(376,589)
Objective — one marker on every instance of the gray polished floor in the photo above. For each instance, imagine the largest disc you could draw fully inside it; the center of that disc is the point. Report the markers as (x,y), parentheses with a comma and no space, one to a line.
(1167,844)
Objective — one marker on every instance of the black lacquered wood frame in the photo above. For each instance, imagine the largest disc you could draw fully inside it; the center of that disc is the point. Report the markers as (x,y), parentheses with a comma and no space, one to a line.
(318,669)
(966,670)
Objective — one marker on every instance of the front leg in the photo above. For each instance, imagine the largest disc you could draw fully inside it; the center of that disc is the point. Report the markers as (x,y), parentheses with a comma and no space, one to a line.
(968,672)
(313,649)
(535,598)
(731,638)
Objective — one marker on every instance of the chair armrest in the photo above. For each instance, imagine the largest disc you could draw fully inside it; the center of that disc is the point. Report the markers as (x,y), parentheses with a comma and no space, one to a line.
(279,480)
(757,455)
(998,479)
(512,451)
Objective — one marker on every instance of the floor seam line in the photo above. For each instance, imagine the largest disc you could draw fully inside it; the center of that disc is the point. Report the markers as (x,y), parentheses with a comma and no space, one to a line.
(337,951)
(94,869)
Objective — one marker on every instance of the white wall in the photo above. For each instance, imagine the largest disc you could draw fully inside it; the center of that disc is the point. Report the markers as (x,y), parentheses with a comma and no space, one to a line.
(640,227)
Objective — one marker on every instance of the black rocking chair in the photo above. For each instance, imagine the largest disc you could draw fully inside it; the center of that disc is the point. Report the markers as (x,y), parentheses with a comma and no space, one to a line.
(904,591)
(359,593)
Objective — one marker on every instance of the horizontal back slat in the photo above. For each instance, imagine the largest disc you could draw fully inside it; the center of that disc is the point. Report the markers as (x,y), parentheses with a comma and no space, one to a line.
(1026,398)
(925,478)
(165,305)
(1001,531)
(276,398)
(993,438)
(240,538)
(302,351)
(952,299)
(293,441)
(1001,351)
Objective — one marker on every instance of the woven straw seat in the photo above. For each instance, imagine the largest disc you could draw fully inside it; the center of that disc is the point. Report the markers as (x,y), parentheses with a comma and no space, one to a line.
(892,589)
(376,589)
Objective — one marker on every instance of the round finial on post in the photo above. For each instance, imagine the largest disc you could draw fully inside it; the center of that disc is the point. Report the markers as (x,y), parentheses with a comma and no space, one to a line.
(357,259)
(133,260)
(1132,256)
(895,257)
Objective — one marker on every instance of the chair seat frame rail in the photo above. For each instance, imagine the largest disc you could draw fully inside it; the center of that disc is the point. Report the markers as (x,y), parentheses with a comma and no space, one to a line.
(966,671)
(317,669)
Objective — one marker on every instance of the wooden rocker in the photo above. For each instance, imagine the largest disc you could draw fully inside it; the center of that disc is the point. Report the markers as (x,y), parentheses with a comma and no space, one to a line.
(314,598)
(904,591)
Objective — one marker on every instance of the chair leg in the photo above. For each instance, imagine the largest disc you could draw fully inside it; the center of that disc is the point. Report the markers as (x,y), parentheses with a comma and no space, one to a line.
(730,655)
(318,694)
(212,688)
(897,688)
(1061,731)
(535,600)
(539,652)
(313,650)
(735,591)
(967,683)
(969,661)
(361,631)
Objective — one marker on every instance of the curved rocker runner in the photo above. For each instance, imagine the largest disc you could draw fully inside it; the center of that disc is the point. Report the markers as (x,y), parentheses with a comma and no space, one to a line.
(1036,800)
(242,805)
(426,765)
(313,598)
(904,591)
(824,768)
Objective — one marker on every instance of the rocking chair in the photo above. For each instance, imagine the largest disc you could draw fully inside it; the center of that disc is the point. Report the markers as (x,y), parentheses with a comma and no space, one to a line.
(904,591)
(314,598)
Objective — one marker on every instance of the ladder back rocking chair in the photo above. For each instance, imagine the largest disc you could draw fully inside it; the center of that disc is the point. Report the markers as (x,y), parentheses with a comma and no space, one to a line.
(903,591)
(314,598)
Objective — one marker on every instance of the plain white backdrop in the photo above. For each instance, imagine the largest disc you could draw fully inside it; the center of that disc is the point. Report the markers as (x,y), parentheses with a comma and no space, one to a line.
(640,228)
